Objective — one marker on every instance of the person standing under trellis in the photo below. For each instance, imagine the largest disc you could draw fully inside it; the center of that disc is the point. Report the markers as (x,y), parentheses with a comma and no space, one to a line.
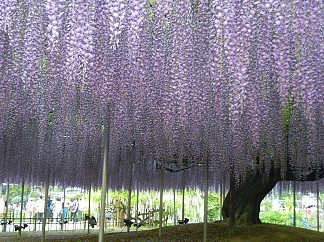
(74,206)
(2,207)
(81,207)
(40,206)
(16,208)
(30,208)
(57,209)
(49,212)
(66,206)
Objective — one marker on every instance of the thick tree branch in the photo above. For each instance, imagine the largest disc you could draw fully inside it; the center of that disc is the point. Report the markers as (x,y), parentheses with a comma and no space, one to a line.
(313,175)
(179,169)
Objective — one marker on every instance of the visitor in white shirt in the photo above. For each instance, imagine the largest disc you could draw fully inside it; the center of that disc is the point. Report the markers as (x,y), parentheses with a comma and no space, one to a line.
(40,206)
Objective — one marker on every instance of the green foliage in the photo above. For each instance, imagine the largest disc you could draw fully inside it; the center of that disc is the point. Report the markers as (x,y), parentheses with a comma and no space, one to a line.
(283,218)
(15,191)
(267,204)
(152,3)
(213,207)
(275,217)
(287,115)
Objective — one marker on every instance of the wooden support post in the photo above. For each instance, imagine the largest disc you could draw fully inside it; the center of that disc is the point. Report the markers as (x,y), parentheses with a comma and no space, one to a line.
(161,202)
(104,184)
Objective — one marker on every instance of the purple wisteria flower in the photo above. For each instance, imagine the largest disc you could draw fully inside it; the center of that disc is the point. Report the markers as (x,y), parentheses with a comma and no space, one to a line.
(177,80)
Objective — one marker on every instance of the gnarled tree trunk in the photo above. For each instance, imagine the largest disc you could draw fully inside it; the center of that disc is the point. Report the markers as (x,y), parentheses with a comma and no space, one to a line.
(247,198)
(249,194)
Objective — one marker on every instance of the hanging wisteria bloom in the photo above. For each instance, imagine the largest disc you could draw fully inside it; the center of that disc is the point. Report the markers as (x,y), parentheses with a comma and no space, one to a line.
(237,83)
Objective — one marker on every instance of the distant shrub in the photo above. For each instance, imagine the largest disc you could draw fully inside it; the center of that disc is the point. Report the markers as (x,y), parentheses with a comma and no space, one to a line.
(283,218)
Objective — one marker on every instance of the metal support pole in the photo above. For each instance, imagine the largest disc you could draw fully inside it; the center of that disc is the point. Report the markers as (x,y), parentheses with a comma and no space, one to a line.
(206,201)
(21,204)
(117,204)
(220,199)
(89,202)
(104,185)
(183,199)
(232,205)
(136,213)
(107,206)
(294,197)
(224,183)
(161,202)
(174,207)
(4,229)
(317,206)
(63,212)
(129,198)
(45,207)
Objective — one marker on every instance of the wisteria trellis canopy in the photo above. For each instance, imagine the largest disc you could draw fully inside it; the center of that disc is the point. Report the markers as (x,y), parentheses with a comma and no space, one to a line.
(176,79)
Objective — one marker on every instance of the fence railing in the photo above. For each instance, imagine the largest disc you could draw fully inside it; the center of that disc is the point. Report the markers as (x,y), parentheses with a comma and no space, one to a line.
(35,224)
